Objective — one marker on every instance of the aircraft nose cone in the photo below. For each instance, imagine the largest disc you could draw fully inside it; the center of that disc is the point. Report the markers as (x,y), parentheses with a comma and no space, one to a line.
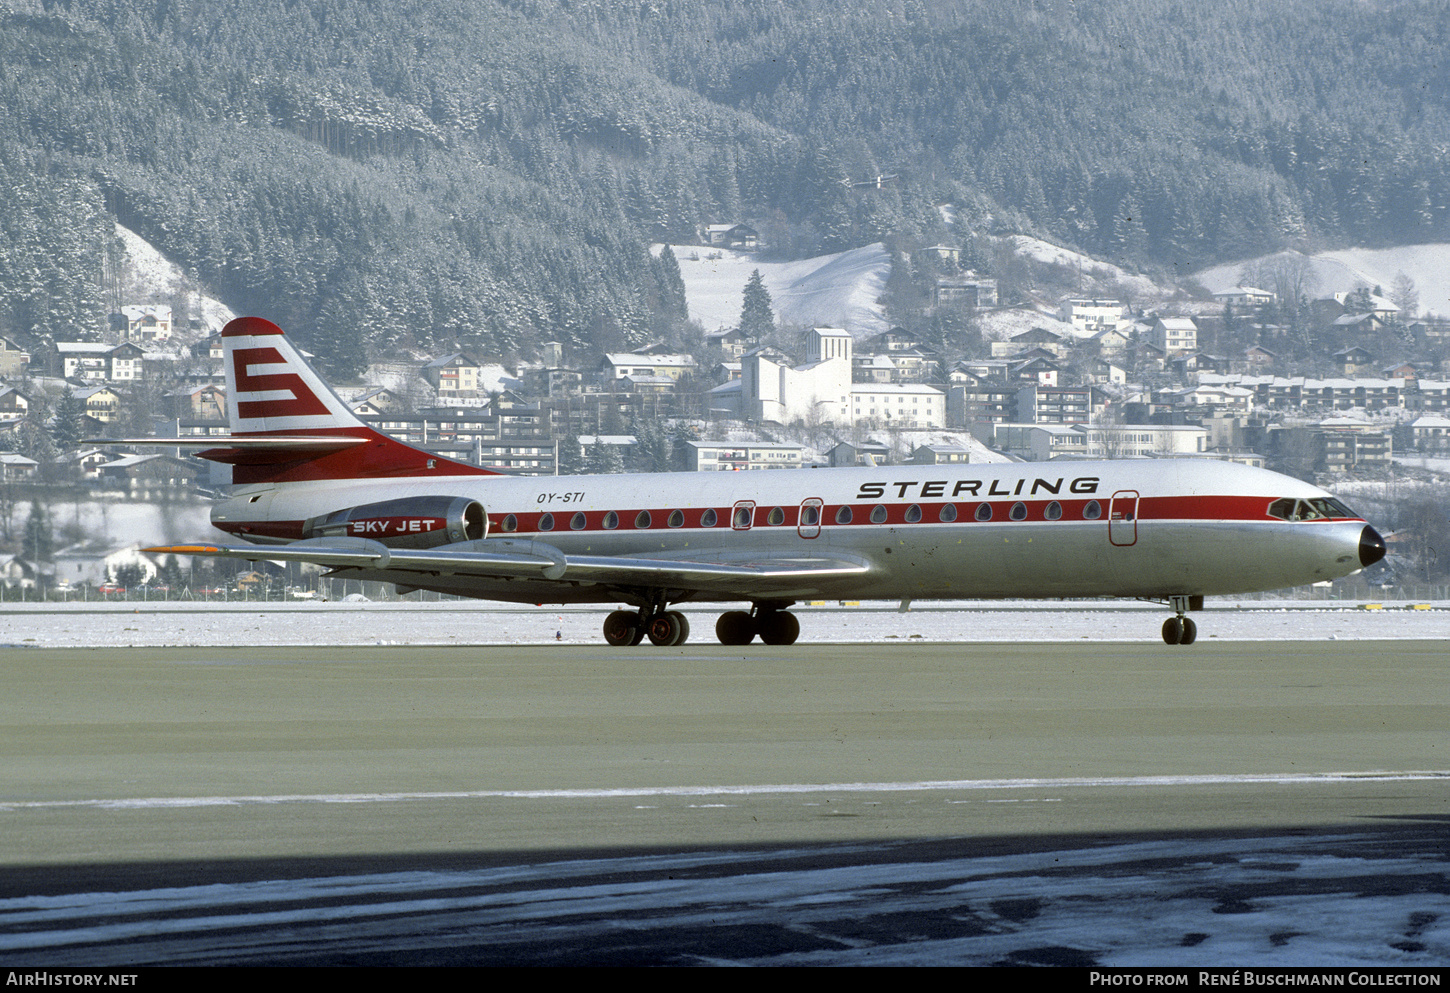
(1371,546)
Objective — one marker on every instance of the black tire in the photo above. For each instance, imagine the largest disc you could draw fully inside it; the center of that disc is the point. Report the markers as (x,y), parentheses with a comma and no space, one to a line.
(1173,631)
(1190,632)
(684,623)
(622,628)
(664,628)
(778,627)
(735,627)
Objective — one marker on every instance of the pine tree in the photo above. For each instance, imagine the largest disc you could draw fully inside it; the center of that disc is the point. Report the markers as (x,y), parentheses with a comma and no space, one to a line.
(38,542)
(571,456)
(757,319)
(68,429)
(671,287)
(605,460)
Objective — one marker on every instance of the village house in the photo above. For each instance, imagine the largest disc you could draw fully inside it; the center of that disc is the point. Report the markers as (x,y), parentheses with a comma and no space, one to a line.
(1175,334)
(741,236)
(453,374)
(14,361)
(207,402)
(941,455)
(84,360)
(1091,315)
(969,289)
(14,405)
(15,467)
(1047,340)
(712,456)
(102,403)
(143,323)
(1243,297)
(619,365)
(151,477)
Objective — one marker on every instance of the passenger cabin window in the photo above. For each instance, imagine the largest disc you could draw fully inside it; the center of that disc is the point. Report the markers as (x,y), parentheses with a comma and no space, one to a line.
(776,517)
(642,519)
(546,523)
(510,523)
(878,514)
(1092,510)
(948,513)
(1053,511)
(611,521)
(677,519)
(810,515)
(843,516)
(709,518)
(1018,512)
(913,514)
(577,522)
(984,512)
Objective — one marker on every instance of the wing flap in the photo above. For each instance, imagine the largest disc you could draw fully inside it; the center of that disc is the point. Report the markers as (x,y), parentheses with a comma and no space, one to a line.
(520,559)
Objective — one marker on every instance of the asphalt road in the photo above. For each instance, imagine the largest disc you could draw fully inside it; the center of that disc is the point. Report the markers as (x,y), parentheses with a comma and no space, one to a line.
(1077,804)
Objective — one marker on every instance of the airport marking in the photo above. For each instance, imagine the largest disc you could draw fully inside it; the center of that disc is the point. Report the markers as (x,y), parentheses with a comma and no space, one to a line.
(763,789)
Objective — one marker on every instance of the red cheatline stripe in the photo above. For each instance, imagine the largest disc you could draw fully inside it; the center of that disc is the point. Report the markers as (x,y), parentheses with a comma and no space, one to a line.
(1176,508)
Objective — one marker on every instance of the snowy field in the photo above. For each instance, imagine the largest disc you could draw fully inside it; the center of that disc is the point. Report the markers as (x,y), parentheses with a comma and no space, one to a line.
(1345,271)
(842,290)
(175,624)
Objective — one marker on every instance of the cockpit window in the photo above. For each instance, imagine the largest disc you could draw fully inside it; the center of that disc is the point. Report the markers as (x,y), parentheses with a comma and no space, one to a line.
(1316,509)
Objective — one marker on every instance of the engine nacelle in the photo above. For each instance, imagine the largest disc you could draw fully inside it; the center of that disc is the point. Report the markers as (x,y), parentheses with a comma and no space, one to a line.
(413,522)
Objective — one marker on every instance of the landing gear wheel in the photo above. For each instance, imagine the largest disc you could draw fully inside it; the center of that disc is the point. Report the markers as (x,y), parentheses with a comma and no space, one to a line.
(668,628)
(622,627)
(735,627)
(1173,631)
(1190,632)
(777,627)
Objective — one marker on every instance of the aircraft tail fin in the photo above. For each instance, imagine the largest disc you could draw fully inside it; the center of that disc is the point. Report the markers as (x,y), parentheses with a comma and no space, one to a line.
(287,425)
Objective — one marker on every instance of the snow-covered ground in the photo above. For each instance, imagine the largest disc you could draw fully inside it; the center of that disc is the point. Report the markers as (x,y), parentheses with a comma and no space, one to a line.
(158,281)
(218,625)
(122,522)
(1103,273)
(1000,325)
(841,290)
(1346,270)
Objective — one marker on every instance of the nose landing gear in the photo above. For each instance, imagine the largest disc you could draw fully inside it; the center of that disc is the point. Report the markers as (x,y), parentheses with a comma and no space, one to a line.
(1180,630)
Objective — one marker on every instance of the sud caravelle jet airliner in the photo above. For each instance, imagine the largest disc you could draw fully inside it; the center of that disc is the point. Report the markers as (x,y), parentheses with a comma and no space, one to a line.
(312,483)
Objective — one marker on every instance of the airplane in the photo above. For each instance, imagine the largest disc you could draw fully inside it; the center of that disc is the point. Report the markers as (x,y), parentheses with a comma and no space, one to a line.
(313,483)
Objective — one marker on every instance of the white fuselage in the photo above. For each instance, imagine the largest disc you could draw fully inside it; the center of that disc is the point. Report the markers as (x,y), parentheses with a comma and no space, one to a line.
(1151,528)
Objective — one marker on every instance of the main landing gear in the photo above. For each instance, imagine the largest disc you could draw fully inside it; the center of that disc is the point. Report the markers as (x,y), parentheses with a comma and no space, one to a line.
(662,627)
(773,625)
(1180,630)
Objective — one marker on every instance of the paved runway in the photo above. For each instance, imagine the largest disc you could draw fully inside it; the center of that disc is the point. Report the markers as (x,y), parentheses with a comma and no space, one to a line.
(1230,804)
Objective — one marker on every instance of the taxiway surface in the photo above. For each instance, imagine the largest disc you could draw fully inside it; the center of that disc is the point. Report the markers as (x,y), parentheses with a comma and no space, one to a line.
(1088,803)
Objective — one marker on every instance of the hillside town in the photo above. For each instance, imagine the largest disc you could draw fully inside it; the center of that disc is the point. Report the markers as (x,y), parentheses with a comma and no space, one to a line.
(1090,377)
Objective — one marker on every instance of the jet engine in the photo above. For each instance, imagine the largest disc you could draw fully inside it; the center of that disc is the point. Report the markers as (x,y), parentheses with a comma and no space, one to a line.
(412,522)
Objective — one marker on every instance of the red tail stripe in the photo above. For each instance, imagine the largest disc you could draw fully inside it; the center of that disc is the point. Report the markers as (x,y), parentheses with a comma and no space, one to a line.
(249,326)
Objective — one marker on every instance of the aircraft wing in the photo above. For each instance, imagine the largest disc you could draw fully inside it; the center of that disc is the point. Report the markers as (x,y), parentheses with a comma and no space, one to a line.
(495,558)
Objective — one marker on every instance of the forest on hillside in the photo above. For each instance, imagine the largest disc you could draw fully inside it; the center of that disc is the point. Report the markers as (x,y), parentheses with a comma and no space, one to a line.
(373,174)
